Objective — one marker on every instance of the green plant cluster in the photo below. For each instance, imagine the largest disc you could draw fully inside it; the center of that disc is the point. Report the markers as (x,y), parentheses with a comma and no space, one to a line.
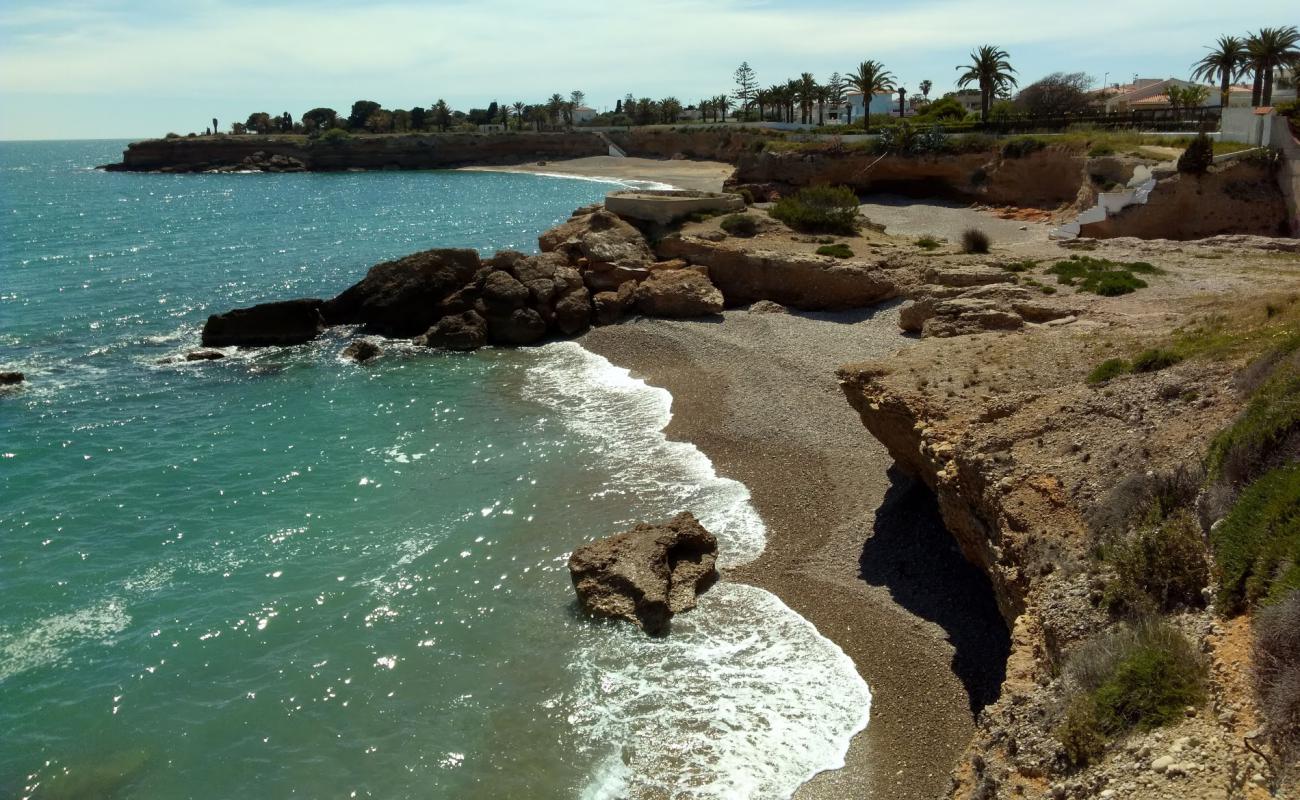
(740,225)
(1198,156)
(1022,146)
(819,209)
(1137,678)
(1102,276)
(1257,546)
(974,240)
(839,250)
(1162,566)
(928,242)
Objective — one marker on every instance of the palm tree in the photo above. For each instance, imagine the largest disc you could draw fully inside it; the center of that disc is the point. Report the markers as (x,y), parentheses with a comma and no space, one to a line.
(926,86)
(1225,63)
(442,113)
(989,69)
(721,103)
(871,77)
(518,108)
(807,96)
(554,106)
(1270,50)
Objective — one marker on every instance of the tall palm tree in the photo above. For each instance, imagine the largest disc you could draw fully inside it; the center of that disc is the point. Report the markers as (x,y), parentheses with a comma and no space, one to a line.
(869,78)
(1270,50)
(722,103)
(990,69)
(554,106)
(926,86)
(518,108)
(1224,63)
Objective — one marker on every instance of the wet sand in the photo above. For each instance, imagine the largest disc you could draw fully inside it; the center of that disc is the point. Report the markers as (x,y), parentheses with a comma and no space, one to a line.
(853,546)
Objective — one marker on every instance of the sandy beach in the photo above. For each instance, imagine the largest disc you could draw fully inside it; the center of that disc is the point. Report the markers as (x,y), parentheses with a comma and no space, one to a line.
(700,175)
(852,546)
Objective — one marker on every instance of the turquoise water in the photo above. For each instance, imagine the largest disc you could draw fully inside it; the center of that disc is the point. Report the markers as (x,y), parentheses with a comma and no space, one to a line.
(282,574)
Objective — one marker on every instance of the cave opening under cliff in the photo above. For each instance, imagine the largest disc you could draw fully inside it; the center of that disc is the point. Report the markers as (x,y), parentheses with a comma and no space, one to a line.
(912,555)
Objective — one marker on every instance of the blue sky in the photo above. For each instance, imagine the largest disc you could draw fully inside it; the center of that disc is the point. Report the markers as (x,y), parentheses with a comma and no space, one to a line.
(124,68)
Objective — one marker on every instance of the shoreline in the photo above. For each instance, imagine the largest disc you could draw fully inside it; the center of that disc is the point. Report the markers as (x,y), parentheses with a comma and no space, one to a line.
(706,176)
(849,542)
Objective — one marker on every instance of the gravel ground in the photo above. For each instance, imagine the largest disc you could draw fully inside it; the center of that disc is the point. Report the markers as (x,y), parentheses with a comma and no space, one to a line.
(910,218)
(852,546)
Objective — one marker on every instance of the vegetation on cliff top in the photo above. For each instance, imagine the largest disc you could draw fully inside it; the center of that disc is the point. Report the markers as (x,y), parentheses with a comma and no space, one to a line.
(819,209)
(1102,276)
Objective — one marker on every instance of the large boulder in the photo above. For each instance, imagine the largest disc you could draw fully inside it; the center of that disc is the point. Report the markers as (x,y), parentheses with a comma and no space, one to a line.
(402,298)
(11,378)
(362,351)
(609,307)
(678,293)
(573,312)
(601,238)
(520,326)
(281,323)
(464,331)
(647,574)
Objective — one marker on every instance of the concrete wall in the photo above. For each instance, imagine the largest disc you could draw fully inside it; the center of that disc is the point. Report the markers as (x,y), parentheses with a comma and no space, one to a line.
(1242,125)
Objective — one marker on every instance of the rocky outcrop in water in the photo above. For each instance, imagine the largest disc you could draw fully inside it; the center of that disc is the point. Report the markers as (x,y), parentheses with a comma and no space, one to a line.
(11,378)
(285,322)
(647,574)
(362,351)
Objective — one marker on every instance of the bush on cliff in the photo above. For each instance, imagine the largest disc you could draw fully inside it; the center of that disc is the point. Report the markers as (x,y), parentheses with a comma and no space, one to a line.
(334,135)
(974,240)
(839,250)
(1162,566)
(1134,678)
(743,225)
(819,209)
(1021,147)
(1198,156)
(1101,276)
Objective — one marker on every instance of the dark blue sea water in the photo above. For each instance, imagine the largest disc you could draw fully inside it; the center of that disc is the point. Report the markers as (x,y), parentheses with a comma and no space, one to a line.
(285,575)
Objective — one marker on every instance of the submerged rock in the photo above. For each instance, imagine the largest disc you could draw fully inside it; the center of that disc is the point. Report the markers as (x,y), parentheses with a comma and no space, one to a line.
(11,378)
(362,351)
(280,323)
(647,574)
(204,355)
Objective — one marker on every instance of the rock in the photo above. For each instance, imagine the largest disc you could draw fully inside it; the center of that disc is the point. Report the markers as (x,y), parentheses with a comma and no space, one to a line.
(912,317)
(520,326)
(678,293)
(11,378)
(768,307)
(608,278)
(503,293)
(402,298)
(204,355)
(610,307)
(282,323)
(647,574)
(1161,764)
(573,311)
(361,351)
(601,238)
(464,331)
(796,280)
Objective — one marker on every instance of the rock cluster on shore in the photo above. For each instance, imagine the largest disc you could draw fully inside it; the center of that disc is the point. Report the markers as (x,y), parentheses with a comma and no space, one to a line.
(647,574)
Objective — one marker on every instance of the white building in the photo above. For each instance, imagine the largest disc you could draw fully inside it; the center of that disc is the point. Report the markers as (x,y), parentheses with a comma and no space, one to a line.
(583,114)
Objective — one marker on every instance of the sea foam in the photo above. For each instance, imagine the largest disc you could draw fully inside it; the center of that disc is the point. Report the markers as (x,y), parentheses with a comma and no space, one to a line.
(745,698)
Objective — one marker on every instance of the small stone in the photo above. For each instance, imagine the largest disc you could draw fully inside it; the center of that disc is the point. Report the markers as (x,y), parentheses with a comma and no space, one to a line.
(204,355)
(1161,764)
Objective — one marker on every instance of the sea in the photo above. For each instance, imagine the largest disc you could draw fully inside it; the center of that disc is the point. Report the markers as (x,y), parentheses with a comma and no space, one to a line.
(283,574)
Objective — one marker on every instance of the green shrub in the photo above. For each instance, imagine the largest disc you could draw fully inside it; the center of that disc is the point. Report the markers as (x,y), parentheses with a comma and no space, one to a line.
(835,251)
(1134,678)
(1198,156)
(1101,276)
(974,240)
(1267,428)
(928,242)
(747,196)
(1163,565)
(740,225)
(1155,359)
(1024,265)
(1257,546)
(819,209)
(334,135)
(1107,370)
(1022,146)
(1101,149)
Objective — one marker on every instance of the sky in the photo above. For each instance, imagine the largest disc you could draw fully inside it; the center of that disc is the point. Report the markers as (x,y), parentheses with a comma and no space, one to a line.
(85,69)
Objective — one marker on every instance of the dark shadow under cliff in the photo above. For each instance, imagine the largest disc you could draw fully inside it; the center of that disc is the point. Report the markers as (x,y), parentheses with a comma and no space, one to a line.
(911,554)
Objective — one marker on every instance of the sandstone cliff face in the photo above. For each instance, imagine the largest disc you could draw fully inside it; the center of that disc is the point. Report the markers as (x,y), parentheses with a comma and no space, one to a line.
(1048,178)
(710,144)
(400,151)
(1240,198)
